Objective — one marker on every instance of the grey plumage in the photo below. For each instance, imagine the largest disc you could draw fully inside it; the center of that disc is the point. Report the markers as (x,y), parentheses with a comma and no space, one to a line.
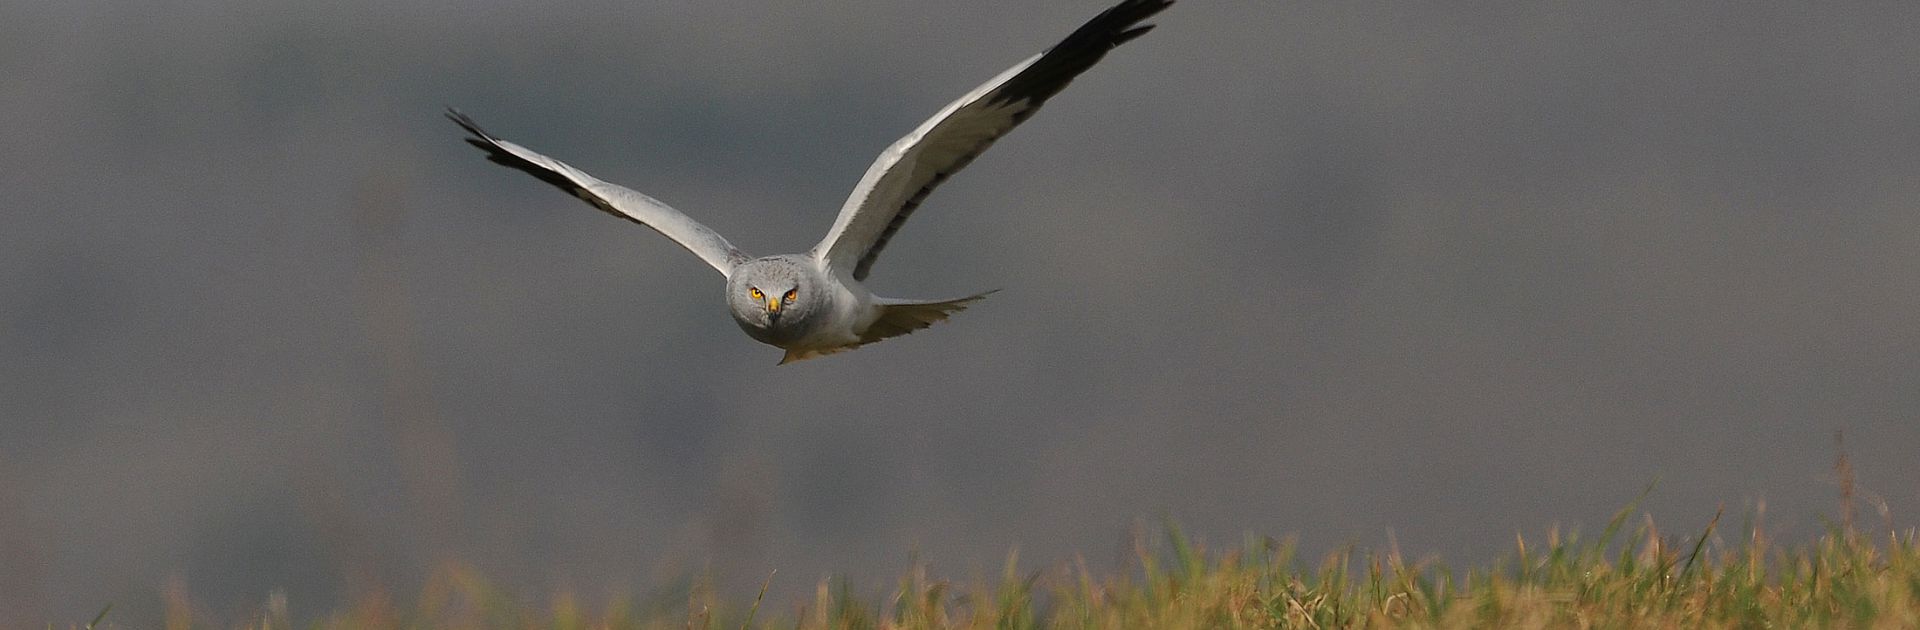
(814,303)
(763,295)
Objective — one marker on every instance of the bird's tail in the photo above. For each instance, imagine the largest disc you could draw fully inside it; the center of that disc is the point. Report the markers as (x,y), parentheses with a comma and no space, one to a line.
(897,317)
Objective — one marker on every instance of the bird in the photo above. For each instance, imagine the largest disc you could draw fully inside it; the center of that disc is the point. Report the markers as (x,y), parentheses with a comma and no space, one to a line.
(815,303)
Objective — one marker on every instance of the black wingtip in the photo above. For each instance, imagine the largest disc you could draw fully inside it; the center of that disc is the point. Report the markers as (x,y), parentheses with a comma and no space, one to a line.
(460,118)
(1128,35)
(499,155)
(1117,25)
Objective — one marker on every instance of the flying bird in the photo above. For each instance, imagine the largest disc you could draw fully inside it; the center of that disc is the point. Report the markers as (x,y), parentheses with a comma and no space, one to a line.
(814,303)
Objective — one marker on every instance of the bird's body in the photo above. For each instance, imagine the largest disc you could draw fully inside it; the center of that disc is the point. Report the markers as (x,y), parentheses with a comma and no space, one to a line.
(816,303)
(842,315)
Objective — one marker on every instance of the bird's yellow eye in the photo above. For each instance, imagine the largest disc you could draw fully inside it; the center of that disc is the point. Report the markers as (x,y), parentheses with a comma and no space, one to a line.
(791,294)
(756,293)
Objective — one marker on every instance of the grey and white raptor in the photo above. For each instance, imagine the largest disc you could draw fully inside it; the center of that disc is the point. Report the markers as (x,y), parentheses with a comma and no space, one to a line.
(814,303)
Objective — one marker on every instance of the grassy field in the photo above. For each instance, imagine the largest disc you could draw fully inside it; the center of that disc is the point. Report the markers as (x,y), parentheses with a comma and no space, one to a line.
(1628,576)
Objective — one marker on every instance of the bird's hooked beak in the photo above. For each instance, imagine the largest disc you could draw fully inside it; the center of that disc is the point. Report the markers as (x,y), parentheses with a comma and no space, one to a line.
(773,309)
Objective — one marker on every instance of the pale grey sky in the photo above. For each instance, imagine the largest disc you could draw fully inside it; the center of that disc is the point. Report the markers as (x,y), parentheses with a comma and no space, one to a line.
(1330,270)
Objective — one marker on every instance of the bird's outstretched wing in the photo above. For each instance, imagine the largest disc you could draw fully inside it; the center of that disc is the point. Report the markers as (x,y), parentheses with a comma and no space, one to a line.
(614,199)
(906,172)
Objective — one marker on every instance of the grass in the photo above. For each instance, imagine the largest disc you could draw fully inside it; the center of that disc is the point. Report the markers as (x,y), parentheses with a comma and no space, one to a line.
(1620,579)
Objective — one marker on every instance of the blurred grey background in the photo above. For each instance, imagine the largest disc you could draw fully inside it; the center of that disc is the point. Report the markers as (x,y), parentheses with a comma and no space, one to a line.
(1353,271)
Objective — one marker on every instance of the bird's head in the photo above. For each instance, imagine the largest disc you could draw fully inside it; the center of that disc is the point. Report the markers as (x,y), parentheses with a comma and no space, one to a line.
(773,298)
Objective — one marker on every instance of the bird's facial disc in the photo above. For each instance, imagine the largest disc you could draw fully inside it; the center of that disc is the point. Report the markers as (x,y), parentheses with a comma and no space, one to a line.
(772,299)
(773,305)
